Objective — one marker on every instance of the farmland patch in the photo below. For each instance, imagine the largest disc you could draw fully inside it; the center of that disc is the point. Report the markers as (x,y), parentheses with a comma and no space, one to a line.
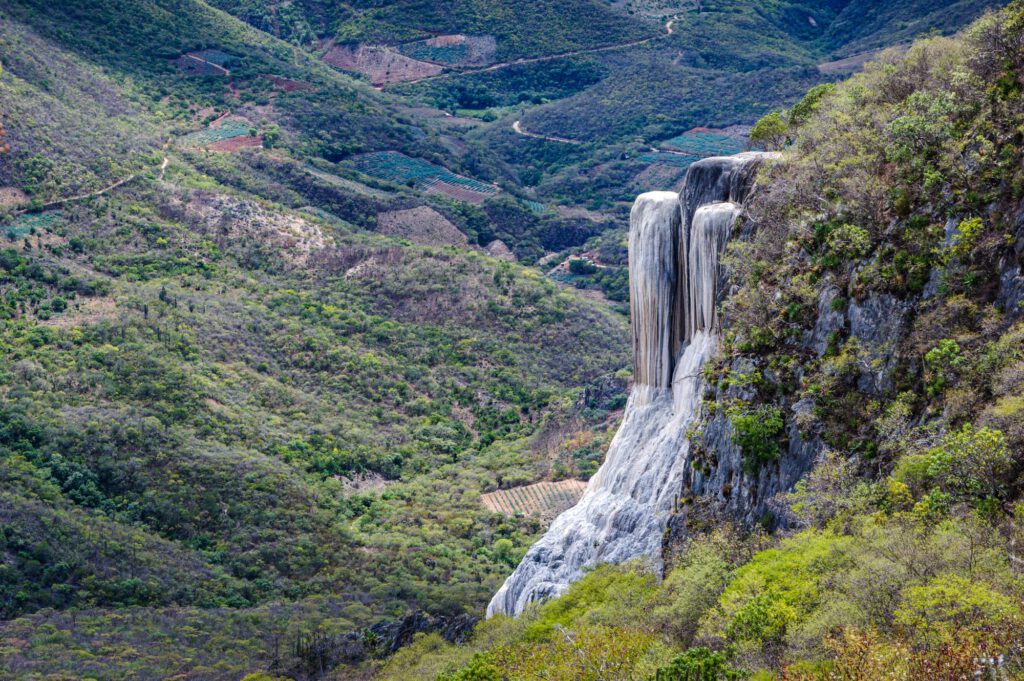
(453,50)
(424,176)
(222,129)
(704,142)
(31,223)
(421,225)
(543,500)
(236,143)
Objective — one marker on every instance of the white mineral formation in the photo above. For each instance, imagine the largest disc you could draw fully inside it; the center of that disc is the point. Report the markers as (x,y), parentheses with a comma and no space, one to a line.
(675,241)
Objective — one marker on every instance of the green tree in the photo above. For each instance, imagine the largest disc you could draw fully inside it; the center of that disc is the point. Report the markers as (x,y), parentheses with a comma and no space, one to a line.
(771,132)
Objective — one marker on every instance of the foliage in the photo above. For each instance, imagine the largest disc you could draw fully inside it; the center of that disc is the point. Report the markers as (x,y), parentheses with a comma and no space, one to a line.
(756,430)
(770,132)
(698,664)
(969,465)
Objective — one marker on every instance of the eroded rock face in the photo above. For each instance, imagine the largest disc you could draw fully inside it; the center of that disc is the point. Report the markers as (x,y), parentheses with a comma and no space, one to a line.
(877,324)
(675,244)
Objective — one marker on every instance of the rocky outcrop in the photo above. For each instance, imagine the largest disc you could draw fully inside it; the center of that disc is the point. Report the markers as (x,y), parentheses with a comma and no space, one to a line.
(675,242)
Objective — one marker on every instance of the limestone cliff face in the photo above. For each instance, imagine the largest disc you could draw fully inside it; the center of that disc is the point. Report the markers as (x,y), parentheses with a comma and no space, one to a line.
(675,244)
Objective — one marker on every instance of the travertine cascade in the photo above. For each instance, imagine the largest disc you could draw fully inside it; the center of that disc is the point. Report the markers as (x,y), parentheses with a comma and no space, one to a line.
(675,244)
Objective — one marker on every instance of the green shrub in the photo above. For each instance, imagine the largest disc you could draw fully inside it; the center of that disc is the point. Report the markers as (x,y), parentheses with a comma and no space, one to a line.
(941,363)
(698,664)
(756,432)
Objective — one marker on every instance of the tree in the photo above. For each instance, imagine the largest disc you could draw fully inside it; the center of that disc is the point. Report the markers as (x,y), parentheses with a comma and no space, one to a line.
(771,132)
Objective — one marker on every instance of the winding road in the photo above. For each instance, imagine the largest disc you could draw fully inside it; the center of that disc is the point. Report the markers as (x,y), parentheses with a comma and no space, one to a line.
(518,128)
(548,57)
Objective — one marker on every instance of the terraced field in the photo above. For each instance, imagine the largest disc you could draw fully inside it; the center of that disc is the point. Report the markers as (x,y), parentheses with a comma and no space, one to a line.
(424,176)
(543,500)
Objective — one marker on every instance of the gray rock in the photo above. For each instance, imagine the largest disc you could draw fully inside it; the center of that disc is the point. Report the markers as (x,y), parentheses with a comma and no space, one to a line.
(829,321)
(878,323)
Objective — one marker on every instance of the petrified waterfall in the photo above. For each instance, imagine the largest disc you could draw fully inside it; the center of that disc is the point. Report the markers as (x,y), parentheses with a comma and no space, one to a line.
(675,241)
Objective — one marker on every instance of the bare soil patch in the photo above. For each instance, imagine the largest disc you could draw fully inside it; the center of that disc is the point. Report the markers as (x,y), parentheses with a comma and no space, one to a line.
(83,311)
(236,143)
(12,196)
(380,64)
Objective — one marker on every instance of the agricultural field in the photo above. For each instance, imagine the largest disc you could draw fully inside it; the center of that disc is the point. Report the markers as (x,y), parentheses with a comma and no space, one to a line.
(453,50)
(235,143)
(543,500)
(31,223)
(662,158)
(704,142)
(423,175)
(225,130)
(380,65)
(536,207)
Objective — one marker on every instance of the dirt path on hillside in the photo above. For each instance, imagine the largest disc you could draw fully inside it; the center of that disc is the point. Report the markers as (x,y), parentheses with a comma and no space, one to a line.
(518,128)
(89,195)
(209,63)
(549,57)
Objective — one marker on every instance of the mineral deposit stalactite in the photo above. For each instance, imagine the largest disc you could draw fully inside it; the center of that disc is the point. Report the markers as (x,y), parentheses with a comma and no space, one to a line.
(675,244)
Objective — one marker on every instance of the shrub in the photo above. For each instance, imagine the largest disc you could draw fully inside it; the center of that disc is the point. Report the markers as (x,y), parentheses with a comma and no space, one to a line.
(849,242)
(940,364)
(770,132)
(969,465)
(756,431)
(581,266)
(698,664)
